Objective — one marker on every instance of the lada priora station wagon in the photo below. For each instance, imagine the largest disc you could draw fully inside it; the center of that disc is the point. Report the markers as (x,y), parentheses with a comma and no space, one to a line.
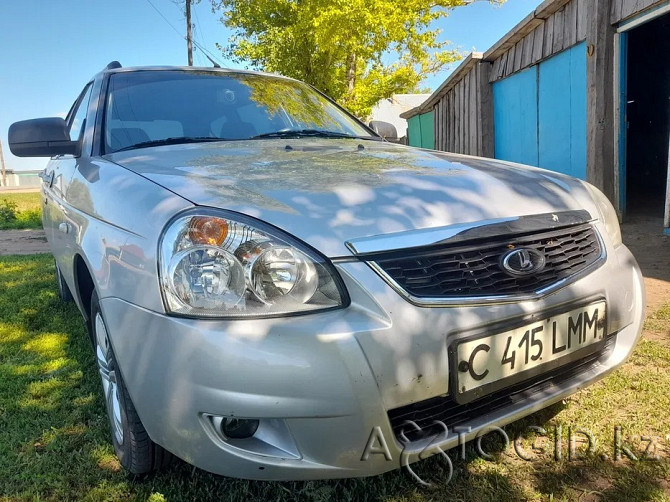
(274,291)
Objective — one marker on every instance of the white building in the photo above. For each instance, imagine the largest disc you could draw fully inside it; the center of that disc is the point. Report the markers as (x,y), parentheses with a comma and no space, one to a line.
(389,110)
(24,178)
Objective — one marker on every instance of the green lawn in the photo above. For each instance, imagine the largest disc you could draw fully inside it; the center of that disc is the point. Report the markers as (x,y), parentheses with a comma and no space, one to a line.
(20,210)
(54,441)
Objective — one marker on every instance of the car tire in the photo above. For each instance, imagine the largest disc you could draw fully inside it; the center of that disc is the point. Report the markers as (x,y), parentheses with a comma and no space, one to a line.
(64,292)
(136,451)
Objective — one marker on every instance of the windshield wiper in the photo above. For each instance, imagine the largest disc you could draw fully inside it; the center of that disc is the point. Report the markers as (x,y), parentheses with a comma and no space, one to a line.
(297,133)
(170,141)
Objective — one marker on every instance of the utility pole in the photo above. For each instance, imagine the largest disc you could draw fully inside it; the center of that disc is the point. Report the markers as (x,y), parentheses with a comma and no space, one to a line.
(2,165)
(189,35)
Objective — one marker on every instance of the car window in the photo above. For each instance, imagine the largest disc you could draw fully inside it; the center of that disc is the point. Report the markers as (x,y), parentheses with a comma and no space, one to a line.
(123,133)
(255,115)
(145,106)
(77,115)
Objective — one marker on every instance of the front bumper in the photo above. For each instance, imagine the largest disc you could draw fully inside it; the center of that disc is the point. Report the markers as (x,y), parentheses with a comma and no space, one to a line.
(324,383)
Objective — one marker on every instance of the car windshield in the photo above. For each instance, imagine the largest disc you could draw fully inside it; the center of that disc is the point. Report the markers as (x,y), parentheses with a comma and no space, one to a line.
(149,108)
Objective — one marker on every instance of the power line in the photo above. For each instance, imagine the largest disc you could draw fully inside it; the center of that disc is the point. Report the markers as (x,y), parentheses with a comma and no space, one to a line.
(197,24)
(209,55)
(201,45)
(200,34)
(165,19)
(198,54)
(197,34)
(203,54)
(204,49)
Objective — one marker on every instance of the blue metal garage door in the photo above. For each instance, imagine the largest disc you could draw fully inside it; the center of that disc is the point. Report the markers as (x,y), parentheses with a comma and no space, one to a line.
(540,114)
(515,117)
(562,112)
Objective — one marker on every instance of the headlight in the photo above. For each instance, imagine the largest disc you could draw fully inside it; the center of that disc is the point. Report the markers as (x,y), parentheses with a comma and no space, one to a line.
(607,213)
(216,263)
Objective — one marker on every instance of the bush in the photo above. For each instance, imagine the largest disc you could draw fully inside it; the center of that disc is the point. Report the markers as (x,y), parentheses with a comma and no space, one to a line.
(30,218)
(12,218)
(8,212)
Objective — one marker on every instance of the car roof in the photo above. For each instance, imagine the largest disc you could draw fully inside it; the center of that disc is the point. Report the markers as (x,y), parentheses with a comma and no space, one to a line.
(200,69)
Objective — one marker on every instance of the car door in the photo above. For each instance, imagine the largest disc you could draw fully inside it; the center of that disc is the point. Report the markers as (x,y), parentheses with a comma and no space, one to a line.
(58,215)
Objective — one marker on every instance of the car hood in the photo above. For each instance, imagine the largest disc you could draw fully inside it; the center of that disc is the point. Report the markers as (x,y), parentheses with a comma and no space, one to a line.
(329,191)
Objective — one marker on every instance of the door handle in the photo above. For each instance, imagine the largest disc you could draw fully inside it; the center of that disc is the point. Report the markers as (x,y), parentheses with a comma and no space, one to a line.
(64,227)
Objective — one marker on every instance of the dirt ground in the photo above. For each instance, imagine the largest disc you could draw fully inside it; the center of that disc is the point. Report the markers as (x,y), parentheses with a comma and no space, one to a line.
(644,237)
(19,190)
(642,234)
(23,242)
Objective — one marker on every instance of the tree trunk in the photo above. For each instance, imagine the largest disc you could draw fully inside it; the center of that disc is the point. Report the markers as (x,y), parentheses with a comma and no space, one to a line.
(351,74)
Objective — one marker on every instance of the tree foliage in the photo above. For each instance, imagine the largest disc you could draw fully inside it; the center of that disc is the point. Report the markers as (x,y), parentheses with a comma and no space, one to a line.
(355,51)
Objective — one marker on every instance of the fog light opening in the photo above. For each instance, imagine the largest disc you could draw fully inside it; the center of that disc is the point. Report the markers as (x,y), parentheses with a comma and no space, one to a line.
(239,428)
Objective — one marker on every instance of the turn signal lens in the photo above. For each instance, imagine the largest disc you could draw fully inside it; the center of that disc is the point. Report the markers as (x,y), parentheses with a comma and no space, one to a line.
(208,231)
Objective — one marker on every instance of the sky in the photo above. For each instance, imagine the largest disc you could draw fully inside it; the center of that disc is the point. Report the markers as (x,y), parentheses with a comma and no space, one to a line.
(50,49)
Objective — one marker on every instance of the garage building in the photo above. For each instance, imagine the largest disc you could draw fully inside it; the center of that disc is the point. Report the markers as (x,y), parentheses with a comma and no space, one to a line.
(580,87)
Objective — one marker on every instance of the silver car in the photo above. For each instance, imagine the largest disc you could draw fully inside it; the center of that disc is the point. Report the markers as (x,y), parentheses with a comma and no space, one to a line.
(274,292)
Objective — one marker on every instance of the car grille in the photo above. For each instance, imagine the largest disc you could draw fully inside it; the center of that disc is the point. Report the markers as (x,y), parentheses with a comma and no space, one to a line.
(448,412)
(474,269)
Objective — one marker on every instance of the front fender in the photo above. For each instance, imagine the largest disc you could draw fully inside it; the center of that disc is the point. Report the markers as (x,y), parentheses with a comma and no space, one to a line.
(117,218)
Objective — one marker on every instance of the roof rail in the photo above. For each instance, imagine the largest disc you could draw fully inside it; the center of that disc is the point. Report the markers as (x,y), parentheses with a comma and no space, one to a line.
(113,65)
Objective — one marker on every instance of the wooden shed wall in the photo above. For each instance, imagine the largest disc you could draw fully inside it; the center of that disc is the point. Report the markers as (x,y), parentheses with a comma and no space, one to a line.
(623,9)
(545,37)
(463,105)
(463,116)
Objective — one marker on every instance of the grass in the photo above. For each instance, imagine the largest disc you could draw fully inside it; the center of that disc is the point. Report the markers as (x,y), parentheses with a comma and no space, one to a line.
(26,214)
(54,439)
(659,321)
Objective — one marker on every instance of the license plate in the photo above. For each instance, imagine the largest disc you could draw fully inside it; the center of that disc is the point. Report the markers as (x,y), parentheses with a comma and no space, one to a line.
(486,361)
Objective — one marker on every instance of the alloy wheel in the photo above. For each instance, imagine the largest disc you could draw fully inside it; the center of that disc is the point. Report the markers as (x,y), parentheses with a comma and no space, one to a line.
(107,370)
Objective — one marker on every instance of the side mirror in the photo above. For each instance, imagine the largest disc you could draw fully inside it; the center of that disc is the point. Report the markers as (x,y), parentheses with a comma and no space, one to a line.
(385,129)
(41,138)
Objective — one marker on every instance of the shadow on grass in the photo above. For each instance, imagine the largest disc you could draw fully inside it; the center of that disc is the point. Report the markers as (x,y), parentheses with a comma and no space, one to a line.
(598,480)
(56,442)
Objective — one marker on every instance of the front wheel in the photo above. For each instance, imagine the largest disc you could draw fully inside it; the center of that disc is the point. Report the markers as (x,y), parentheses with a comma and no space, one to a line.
(136,452)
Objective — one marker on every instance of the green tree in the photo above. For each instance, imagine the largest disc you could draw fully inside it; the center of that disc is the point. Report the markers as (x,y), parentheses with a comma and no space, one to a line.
(355,51)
